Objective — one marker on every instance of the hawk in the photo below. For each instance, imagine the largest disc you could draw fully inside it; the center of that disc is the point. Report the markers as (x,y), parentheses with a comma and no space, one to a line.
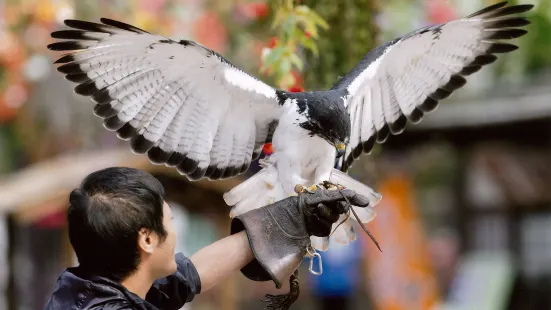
(186,106)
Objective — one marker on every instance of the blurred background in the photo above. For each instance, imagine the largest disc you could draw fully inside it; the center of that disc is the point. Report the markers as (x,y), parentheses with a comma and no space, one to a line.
(465,220)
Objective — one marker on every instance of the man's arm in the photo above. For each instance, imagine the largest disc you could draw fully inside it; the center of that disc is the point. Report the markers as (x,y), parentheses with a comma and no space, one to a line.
(220,259)
(201,271)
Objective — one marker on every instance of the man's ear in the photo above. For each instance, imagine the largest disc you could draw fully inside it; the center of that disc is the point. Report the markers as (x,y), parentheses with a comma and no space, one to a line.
(146,240)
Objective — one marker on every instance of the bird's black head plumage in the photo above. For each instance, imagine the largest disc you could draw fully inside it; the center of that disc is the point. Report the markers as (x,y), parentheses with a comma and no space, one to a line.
(326,115)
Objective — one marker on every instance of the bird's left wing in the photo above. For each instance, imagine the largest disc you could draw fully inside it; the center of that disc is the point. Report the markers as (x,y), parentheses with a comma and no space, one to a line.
(180,102)
(405,78)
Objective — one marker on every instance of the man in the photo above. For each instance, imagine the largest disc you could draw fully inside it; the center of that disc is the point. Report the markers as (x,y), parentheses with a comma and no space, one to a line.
(122,232)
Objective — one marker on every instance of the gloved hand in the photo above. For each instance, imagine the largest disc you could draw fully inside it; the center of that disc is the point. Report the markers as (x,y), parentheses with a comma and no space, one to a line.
(279,234)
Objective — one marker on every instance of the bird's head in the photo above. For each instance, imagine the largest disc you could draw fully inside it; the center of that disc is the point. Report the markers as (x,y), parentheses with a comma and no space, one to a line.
(327,118)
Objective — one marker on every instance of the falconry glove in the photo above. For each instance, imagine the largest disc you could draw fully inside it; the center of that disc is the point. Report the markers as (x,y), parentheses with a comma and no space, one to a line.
(279,234)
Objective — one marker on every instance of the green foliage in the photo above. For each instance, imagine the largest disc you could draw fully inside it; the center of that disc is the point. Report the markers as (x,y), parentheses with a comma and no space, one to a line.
(352,34)
(296,27)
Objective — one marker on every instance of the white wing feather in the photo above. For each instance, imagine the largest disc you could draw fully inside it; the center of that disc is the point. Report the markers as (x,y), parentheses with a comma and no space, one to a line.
(179,102)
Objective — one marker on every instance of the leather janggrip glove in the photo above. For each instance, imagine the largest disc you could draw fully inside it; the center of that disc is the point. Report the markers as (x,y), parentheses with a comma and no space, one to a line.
(279,234)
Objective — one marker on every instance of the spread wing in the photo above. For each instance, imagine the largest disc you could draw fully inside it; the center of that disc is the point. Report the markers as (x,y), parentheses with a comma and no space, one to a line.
(405,78)
(180,102)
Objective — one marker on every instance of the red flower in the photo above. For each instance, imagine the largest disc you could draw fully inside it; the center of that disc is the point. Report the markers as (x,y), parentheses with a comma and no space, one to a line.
(268,149)
(260,9)
(273,42)
(307,34)
(254,10)
(440,11)
(296,89)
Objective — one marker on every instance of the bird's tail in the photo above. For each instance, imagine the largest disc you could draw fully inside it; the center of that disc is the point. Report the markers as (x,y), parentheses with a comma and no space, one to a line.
(343,230)
(260,190)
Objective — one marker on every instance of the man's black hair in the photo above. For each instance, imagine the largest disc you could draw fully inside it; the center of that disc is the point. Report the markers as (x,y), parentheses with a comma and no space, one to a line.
(106,214)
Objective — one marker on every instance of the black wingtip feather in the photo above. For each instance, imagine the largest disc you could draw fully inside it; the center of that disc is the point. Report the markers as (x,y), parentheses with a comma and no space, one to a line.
(126,132)
(428,105)
(488,9)
(439,94)
(77,78)
(500,48)
(65,59)
(175,159)
(398,126)
(187,166)
(369,144)
(104,110)
(70,68)
(86,89)
(113,123)
(198,174)
(121,25)
(506,34)
(508,23)
(416,116)
(455,82)
(217,174)
(141,144)
(382,134)
(158,156)
(85,25)
(66,46)
(514,9)
(72,35)
(102,96)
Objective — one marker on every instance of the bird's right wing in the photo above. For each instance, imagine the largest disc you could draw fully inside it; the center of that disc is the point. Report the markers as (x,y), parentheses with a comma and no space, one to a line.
(180,102)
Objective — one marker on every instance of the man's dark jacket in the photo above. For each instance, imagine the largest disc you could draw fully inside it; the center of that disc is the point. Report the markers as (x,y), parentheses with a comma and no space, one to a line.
(77,291)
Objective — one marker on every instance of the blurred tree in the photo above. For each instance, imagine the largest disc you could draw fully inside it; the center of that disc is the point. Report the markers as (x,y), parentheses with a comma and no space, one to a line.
(353,32)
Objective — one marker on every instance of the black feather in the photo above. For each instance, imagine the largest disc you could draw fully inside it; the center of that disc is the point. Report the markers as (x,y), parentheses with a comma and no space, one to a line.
(187,166)
(488,9)
(416,116)
(104,110)
(102,96)
(157,156)
(88,26)
(470,70)
(73,35)
(127,132)
(398,126)
(122,25)
(439,94)
(175,159)
(66,46)
(140,144)
(197,174)
(77,77)
(113,123)
(506,34)
(70,68)
(502,48)
(382,134)
(369,144)
(428,105)
(65,59)
(86,88)
(514,9)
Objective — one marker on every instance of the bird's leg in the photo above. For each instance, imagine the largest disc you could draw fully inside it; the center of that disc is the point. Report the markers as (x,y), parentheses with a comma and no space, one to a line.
(284,301)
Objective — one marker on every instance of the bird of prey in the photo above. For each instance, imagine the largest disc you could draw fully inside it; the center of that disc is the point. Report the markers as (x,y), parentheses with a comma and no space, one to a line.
(186,106)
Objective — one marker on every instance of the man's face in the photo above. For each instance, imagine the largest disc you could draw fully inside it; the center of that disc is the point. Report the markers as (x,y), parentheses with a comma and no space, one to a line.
(162,257)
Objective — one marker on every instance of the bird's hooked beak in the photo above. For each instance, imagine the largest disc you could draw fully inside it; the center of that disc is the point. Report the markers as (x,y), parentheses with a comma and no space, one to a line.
(340,147)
